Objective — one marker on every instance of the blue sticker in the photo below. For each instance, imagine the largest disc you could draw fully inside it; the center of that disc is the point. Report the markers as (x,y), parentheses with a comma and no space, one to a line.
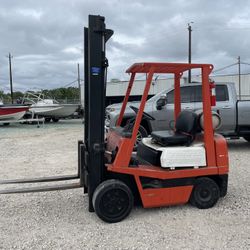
(95,71)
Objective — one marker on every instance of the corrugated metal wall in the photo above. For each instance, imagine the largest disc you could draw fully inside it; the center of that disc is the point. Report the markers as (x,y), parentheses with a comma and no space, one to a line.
(121,87)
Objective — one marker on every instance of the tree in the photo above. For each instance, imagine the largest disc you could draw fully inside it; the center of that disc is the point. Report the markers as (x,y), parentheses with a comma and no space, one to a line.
(70,94)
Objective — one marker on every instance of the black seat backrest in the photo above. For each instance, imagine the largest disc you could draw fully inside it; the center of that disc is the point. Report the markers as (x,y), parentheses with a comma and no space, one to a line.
(186,122)
(185,131)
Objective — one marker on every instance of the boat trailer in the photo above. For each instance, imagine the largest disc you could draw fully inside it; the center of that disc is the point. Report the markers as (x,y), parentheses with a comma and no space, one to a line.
(37,120)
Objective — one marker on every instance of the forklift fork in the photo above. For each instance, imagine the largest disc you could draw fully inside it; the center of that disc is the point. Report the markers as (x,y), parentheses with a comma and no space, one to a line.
(78,184)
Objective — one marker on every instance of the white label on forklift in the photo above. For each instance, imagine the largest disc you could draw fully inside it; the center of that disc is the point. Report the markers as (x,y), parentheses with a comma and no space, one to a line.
(173,157)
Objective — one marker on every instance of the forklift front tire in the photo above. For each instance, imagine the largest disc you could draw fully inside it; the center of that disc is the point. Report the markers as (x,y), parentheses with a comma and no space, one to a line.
(205,193)
(112,201)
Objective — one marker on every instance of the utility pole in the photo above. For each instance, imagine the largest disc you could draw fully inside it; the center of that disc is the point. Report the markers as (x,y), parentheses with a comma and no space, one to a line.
(11,85)
(239,77)
(189,49)
(79,81)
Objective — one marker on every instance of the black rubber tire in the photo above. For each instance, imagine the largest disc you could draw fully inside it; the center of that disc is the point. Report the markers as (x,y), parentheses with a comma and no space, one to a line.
(112,201)
(205,193)
(47,119)
(247,138)
(55,119)
(142,132)
(223,186)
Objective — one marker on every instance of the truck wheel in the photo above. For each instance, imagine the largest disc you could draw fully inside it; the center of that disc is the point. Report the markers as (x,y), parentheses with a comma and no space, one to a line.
(47,119)
(112,201)
(205,193)
(247,138)
(55,119)
(142,132)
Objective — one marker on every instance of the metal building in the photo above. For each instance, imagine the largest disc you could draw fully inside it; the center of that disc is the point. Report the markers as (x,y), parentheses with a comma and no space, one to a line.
(116,90)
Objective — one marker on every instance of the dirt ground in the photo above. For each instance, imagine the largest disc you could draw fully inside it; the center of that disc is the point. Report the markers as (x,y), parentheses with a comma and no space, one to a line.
(60,219)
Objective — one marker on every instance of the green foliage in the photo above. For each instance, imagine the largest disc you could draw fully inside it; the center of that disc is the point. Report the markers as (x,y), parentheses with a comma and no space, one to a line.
(70,94)
(1,94)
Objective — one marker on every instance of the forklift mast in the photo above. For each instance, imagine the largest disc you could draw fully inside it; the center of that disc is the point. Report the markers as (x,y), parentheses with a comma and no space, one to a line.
(95,70)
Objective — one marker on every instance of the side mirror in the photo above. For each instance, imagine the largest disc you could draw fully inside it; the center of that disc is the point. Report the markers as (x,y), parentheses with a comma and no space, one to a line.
(161,102)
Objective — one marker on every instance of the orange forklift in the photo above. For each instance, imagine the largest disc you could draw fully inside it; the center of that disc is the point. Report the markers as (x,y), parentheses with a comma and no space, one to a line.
(170,167)
(188,164)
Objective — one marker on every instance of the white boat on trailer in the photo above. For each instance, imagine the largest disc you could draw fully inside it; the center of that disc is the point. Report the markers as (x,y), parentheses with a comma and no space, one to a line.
(47,107)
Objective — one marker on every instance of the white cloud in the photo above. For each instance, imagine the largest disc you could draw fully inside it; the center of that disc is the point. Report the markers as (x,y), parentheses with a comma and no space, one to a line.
(72,50)
(31,13)
(127,39)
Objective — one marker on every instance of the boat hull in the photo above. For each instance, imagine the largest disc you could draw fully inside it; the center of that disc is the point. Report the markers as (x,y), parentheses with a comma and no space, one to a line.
(54,111)
(12,112)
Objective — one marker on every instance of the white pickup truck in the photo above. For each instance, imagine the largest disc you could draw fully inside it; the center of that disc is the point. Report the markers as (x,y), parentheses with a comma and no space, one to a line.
(234,114)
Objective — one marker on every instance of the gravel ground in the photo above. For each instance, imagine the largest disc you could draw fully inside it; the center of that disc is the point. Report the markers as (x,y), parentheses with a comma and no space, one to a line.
(60,220)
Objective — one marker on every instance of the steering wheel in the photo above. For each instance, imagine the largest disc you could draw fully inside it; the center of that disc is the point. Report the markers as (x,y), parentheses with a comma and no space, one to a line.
(145,115)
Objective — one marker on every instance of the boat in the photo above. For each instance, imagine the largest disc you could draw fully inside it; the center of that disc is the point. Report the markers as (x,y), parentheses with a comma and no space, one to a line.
(48,107)
(12,112)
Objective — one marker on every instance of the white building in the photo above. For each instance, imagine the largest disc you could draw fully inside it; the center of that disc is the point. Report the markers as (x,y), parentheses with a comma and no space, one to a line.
(116,90)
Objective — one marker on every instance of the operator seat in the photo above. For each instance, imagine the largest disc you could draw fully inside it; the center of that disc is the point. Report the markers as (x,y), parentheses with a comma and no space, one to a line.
(184,134)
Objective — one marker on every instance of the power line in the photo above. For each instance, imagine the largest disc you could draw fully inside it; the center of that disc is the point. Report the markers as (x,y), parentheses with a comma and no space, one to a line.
(220,69)
(68,84)
(245,63)
(199,29)
(228,66)
(232,74)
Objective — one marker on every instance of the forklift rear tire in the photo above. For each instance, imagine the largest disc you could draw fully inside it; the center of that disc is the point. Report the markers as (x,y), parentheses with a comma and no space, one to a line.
(205,193)
(112,201)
